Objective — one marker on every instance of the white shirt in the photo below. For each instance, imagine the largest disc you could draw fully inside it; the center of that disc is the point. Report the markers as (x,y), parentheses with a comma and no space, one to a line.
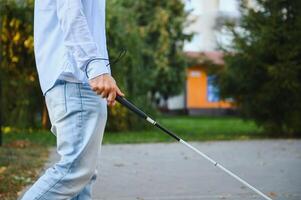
(70,40)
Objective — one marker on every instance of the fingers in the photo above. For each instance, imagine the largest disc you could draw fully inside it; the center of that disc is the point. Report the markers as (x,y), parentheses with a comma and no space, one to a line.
(111,95)
(104,90)
(104,93)
(118,91)
(106,87)
(111,98)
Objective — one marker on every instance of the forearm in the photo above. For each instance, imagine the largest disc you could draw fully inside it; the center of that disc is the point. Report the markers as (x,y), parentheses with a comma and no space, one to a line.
(78,39)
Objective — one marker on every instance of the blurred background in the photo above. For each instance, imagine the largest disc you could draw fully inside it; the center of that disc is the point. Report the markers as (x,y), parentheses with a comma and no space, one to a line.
(208,69)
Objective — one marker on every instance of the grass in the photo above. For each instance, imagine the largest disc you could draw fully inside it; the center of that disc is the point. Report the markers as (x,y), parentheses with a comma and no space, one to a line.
(188,128)
(41,138)
(23,155)
(20,162)
(191,129)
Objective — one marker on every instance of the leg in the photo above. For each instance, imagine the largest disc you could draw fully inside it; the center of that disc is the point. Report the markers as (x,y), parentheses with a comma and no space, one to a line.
(78,118)
(86,193)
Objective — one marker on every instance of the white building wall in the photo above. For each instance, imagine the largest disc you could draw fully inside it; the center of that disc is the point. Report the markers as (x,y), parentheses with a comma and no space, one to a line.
(176,102)
(204,14)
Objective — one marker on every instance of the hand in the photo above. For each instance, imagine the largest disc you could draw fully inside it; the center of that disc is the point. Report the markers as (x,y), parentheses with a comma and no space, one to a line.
(106,86)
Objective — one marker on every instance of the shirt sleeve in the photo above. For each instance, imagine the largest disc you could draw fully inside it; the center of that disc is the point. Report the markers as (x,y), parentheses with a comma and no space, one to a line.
(78,38)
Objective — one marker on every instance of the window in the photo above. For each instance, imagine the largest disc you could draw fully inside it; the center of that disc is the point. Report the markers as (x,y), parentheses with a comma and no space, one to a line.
(212,90)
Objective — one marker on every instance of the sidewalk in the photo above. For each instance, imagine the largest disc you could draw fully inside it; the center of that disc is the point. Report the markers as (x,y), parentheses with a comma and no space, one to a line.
(174,172)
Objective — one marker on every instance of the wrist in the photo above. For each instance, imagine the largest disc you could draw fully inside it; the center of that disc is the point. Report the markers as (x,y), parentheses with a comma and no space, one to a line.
(96,68)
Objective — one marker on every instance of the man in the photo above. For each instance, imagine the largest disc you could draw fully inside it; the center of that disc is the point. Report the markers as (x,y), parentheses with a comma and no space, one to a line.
(73,67)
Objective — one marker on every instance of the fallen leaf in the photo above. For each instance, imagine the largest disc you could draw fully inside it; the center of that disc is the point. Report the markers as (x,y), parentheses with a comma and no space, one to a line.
(2,169)
(19,144)
(272,194)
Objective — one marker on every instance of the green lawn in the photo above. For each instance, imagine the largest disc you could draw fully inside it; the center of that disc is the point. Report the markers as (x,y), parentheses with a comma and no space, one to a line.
(191,129)
(20,164)
(188,128)
(23,154)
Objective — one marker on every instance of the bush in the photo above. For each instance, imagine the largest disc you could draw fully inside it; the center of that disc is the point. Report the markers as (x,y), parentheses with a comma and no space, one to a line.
(151,33)
(263,69)
(21,95)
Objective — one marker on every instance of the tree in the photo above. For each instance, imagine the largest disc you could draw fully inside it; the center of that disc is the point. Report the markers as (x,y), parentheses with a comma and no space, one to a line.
(152,33)
(263,66)
(20,86)
(1,134)
(1,96)
(163,23)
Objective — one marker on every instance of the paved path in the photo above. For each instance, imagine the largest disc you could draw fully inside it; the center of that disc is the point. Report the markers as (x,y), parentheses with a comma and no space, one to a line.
(173,172)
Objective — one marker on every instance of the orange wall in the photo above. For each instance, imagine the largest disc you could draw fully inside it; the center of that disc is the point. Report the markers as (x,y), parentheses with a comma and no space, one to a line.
(197,90)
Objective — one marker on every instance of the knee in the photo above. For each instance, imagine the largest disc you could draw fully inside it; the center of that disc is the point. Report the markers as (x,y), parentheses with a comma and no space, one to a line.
(84,173)
(78,171)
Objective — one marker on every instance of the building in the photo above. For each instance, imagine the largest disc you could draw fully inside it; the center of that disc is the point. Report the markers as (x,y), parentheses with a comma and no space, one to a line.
(200,96)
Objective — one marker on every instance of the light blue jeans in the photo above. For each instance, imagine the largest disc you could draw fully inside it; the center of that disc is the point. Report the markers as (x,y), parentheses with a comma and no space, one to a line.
(78,117)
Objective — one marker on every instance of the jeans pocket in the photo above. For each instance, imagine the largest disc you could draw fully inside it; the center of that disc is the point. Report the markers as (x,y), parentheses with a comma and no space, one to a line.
(56,101)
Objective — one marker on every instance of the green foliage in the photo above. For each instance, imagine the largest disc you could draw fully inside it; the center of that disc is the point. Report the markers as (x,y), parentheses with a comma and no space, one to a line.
(152,34)
(118,118)
(18,73)
(263,69)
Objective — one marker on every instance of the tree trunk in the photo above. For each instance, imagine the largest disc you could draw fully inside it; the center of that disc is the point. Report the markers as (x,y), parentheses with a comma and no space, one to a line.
(1,141)
(45,118)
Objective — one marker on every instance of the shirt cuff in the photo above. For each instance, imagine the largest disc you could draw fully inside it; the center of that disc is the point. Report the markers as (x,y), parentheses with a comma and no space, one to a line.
(96,68)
